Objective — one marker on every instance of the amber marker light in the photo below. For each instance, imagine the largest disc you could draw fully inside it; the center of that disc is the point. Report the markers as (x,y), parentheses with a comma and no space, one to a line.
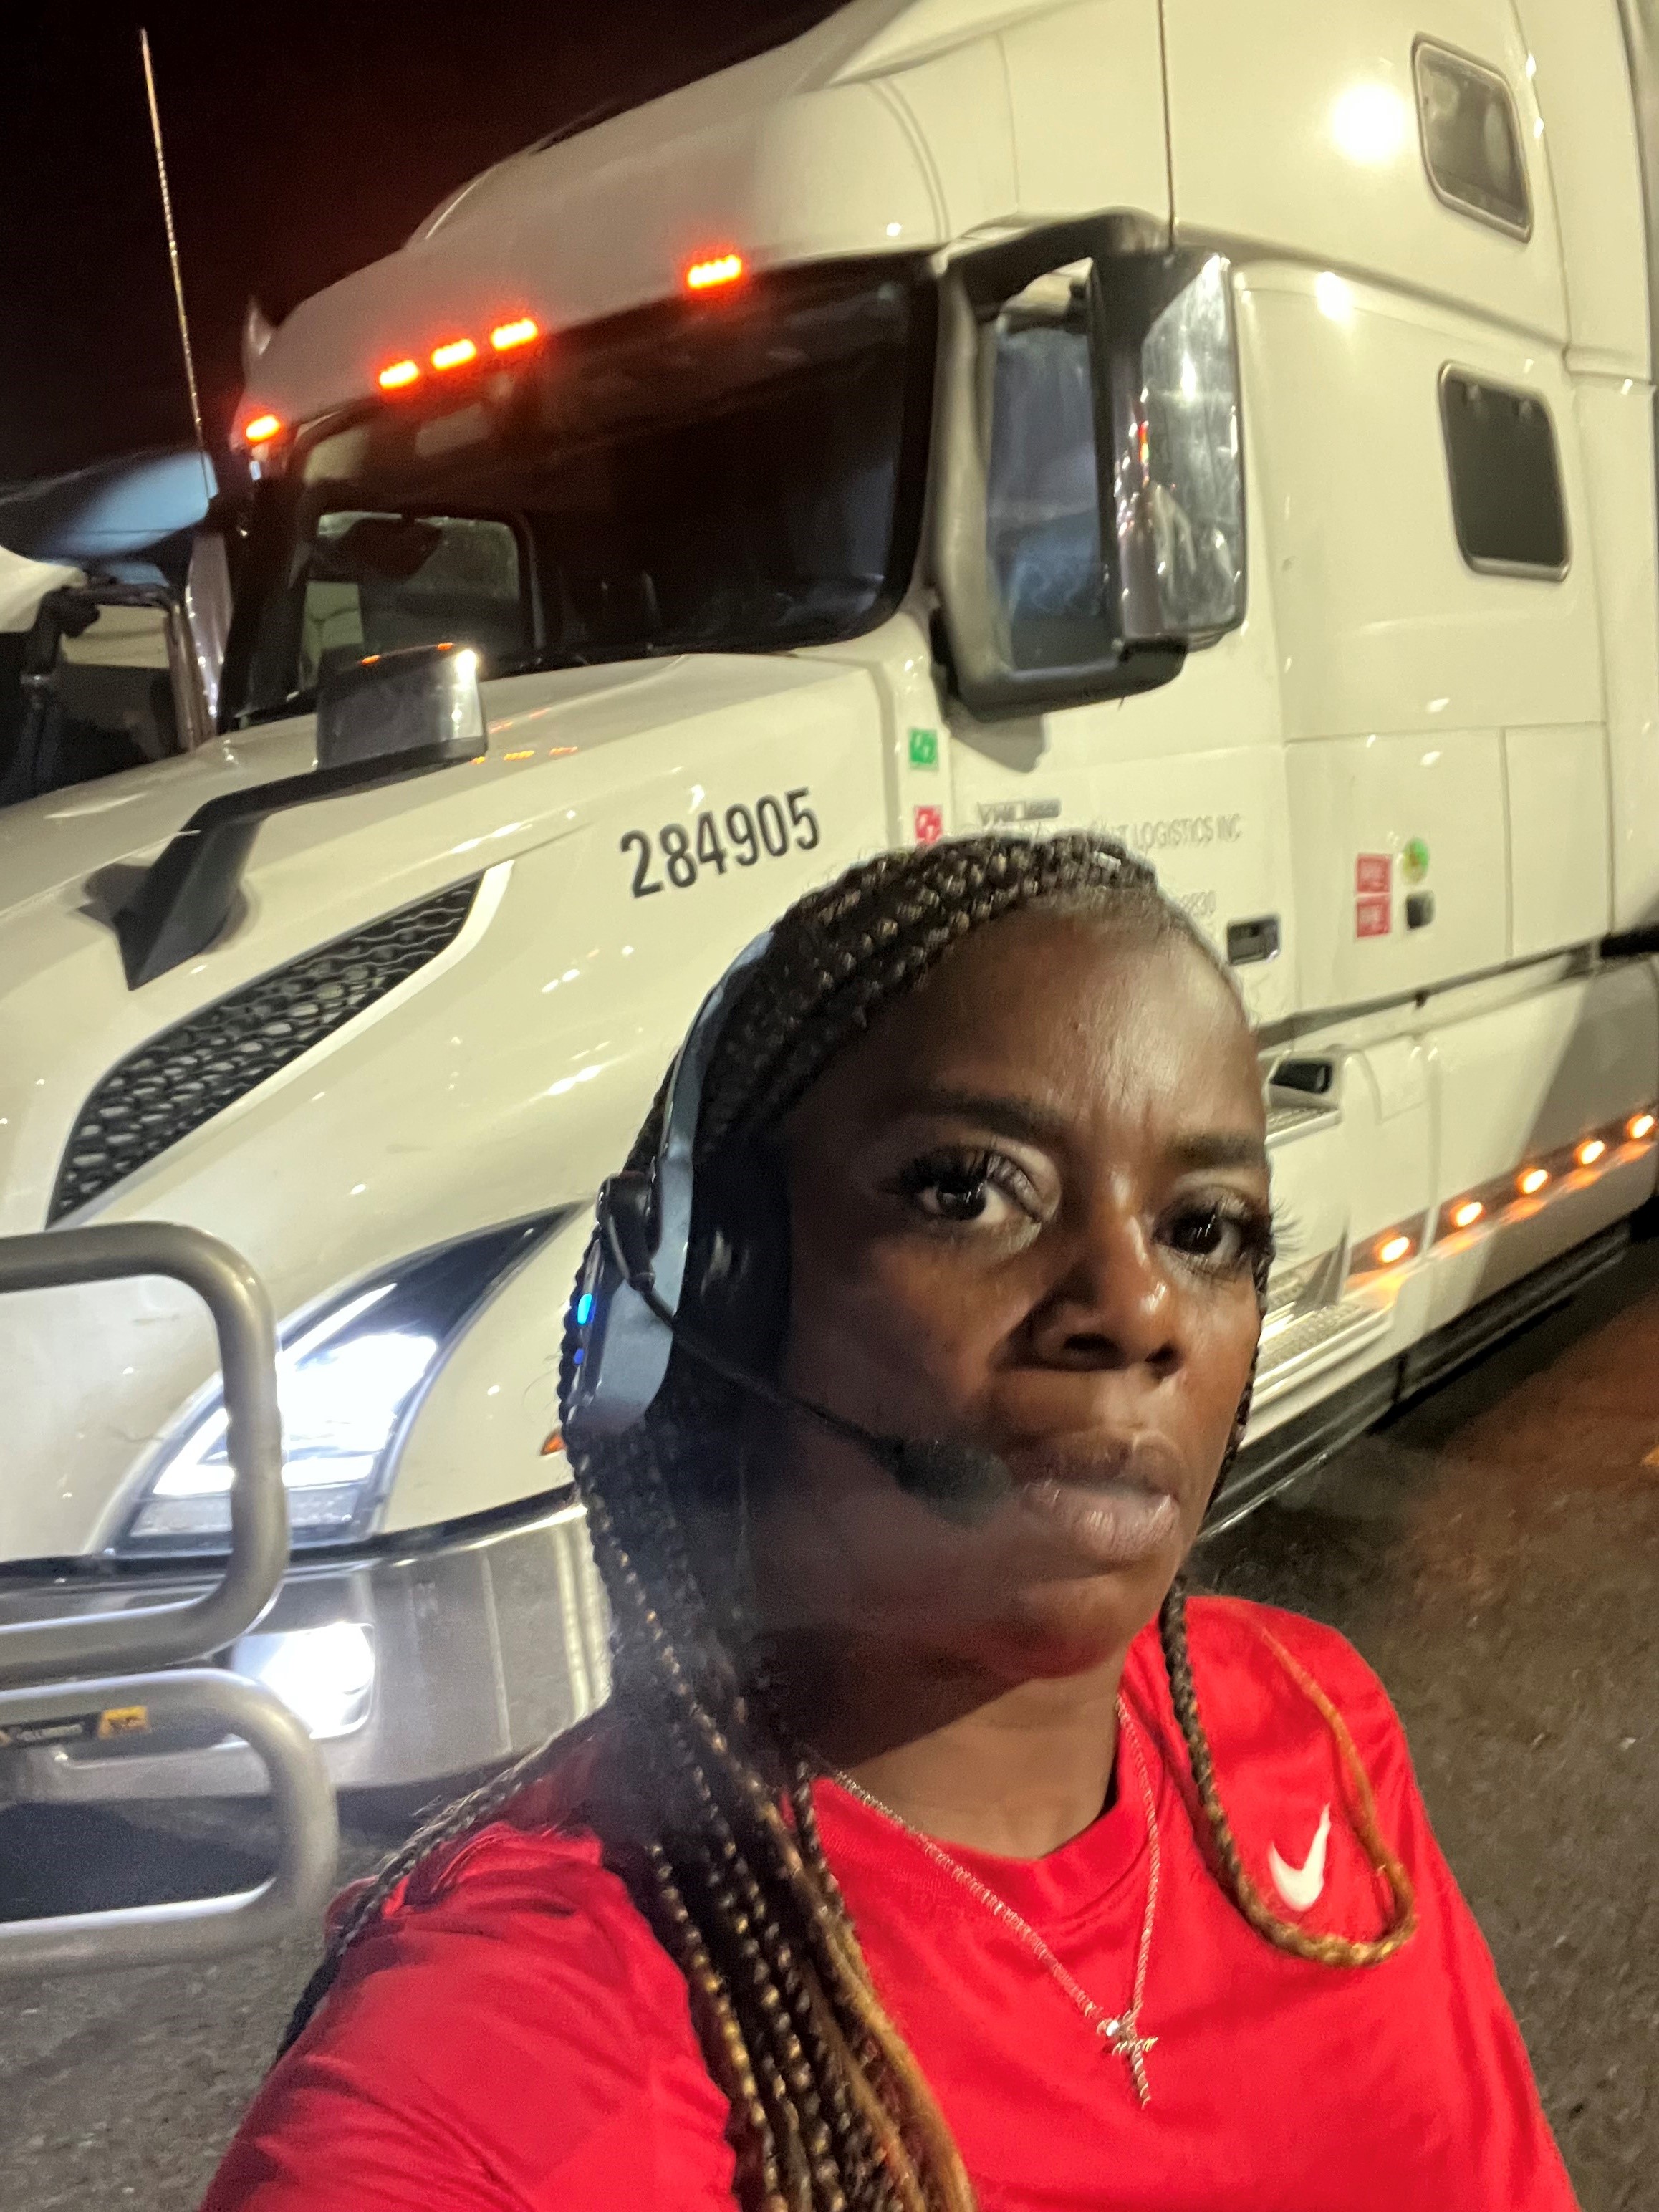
(1638,1126)
(506,336)
(554,1443)
(1532,1180)
(398,375)
(262,429)
(1466,1216)
(1393,1249)
(718,269)
(1589,1152)
(524,752)
(454,355)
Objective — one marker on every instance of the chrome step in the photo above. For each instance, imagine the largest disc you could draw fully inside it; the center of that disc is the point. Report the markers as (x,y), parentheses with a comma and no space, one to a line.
(1299,1120)
(1293,1349)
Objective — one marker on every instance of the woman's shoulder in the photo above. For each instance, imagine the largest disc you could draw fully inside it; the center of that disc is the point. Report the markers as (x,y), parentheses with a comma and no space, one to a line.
(506,2030)
(535,1876)
(533,1856)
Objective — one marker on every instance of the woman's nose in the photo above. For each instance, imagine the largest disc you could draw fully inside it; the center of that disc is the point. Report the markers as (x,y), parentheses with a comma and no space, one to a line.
(1114,1306)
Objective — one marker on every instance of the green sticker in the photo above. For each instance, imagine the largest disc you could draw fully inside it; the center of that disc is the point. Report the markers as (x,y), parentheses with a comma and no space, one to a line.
(924,748)
(1414,861)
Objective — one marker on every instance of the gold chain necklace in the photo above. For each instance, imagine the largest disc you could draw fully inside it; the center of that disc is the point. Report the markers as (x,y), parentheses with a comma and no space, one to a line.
(1118,2032)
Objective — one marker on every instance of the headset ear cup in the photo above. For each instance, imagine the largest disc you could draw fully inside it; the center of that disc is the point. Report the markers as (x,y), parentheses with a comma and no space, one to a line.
(736,1272)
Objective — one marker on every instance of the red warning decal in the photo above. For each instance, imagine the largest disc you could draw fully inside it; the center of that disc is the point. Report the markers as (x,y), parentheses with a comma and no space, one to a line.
(1373,873)
(930,824)
(1373,917)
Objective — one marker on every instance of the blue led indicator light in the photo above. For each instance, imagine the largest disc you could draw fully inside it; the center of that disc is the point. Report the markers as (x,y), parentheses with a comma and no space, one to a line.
(577,1358)
(584,1309)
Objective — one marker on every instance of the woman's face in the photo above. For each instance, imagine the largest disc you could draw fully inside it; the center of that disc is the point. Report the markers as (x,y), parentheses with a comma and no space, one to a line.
(1025,1207)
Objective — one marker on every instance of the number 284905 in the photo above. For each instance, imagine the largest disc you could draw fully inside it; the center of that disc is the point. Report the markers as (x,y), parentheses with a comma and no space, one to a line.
(741,837)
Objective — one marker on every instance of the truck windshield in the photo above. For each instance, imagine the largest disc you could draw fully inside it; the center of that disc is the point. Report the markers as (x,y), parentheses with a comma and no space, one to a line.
(738,474)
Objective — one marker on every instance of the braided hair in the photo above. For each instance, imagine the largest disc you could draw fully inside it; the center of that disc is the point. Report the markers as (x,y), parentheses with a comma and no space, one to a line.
(703,1800)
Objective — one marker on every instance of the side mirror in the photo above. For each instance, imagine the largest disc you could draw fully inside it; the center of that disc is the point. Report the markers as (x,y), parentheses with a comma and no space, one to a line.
(1088,517)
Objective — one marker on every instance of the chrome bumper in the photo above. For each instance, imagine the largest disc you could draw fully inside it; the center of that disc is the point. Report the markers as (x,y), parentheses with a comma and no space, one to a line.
(447,1654)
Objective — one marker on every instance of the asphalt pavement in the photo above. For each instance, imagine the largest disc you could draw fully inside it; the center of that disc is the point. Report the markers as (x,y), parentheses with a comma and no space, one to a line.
(1494,1553)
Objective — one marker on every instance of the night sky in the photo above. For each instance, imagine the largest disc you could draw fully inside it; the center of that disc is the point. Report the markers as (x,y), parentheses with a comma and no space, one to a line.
(302,141)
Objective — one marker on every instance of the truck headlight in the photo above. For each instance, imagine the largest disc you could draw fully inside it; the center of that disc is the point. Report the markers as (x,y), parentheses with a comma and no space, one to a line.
(350,1375)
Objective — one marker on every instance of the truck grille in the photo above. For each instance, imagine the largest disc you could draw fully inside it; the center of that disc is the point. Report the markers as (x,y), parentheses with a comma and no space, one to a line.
(189,1073)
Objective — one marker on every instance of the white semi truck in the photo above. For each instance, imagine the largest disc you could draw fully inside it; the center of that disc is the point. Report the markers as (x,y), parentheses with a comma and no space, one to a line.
(1226,421)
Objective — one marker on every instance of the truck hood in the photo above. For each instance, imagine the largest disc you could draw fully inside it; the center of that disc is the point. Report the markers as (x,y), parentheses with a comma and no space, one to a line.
(502,1079)
(63,838)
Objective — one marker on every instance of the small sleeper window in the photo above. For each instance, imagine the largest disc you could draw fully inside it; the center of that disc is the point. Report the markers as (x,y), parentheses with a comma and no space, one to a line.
(1505,477)
(1471,139)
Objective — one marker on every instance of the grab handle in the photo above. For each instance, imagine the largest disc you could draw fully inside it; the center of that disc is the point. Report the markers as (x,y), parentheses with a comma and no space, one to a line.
(163,1635)
(308,1827)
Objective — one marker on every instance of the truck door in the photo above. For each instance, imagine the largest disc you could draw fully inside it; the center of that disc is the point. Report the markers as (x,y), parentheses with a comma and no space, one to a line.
(1421,524)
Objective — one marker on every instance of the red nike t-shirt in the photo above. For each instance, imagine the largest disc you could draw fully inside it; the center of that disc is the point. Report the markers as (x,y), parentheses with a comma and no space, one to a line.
(511,2038)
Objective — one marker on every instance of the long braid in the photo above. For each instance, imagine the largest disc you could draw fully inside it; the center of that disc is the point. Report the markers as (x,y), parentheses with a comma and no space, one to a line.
(706,1811)
(1300,1942)
(1282,1934)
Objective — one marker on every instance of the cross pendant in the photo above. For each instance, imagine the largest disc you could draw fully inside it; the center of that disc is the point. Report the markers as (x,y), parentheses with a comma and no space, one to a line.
(1125,2044)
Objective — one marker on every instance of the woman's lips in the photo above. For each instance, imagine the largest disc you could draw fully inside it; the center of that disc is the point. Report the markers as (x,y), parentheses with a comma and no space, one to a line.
(1121,1514)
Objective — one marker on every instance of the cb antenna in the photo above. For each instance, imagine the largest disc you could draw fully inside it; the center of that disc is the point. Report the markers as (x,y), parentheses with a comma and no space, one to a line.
(172,257)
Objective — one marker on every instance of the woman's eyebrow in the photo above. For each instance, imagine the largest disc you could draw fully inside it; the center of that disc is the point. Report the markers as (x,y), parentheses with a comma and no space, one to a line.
(1219,1148)
(1020,1118)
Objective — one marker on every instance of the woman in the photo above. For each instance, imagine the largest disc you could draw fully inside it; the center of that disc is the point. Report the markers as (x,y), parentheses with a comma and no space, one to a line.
(932,1853)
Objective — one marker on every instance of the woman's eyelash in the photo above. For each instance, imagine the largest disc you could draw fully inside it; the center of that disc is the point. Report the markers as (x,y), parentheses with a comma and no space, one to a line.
(1261,1233)
(959,1171)
(1220,1233)
(1255,1225)
(948,1167)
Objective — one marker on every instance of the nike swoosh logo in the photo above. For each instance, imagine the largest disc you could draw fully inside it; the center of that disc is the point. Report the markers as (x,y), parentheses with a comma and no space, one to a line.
(1300,1886)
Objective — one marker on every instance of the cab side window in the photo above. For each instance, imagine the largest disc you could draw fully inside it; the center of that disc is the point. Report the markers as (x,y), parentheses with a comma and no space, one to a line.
(1471,138)
(1505,477)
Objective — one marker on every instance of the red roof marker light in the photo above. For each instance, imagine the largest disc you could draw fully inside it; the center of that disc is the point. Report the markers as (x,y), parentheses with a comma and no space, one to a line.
(718,269)
(455,354)
(400,375)
(262,429)
(506,336)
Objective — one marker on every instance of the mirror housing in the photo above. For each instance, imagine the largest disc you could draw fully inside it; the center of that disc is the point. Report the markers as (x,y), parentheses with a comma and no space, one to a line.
(394,716)
(419,708)
(207,607)
(1082,542)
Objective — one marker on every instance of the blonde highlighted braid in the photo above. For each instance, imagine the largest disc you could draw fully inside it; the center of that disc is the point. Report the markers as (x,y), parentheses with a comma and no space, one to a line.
(705,1805)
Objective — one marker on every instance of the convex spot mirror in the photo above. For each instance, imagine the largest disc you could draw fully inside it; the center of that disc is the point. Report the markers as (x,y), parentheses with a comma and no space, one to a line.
(1089,519)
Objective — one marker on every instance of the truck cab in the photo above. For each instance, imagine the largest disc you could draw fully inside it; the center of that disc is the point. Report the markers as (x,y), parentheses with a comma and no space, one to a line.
(1232,432)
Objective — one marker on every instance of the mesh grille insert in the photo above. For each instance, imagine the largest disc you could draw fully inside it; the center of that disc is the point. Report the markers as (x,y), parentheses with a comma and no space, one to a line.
(185,1076)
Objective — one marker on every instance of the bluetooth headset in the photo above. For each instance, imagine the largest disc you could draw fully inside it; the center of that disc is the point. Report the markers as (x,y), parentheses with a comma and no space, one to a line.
(703,1263)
